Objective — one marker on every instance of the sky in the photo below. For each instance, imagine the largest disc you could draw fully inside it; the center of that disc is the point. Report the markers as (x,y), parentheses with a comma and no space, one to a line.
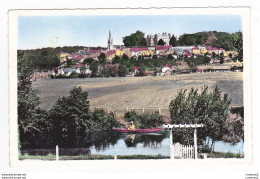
(57,31)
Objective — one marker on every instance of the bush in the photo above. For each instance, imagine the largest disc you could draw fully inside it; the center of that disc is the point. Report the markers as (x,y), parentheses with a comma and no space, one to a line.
(82,75)
(73,75)
(146,120)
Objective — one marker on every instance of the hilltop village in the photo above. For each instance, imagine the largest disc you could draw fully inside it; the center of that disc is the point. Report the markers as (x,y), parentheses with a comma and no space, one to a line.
(154,55)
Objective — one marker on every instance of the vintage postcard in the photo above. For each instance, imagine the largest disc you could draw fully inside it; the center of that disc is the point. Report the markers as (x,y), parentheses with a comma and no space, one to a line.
(161,86)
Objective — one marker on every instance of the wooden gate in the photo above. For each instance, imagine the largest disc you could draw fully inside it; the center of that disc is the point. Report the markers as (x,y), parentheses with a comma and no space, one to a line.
(183,151)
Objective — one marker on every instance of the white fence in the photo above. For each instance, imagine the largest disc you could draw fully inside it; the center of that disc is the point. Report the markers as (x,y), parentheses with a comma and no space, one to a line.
(183,151)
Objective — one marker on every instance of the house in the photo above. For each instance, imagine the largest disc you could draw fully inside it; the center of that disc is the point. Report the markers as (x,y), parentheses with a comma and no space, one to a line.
(221,50)
(110,54)
(68,71)
(63,56)
(120,52)
(166,70)
(164,50)
(203,50)
(187,53)
(195,50)
(212,50)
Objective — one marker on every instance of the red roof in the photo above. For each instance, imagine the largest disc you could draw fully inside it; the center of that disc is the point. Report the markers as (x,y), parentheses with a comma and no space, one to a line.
(167,65)
(195,48)
(136,49)
(78,65)
(162,47)
(75,54)
(199,70)
(135,68)
(110,52)
(76,58)
(95,51)
(221,49)
(211,48)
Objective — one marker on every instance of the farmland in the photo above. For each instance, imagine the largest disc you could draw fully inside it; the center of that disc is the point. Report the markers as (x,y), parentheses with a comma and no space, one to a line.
(139,92)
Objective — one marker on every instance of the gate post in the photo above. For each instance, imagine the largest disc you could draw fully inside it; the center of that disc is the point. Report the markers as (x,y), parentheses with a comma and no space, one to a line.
(171,146)
(195,143)
(57,152)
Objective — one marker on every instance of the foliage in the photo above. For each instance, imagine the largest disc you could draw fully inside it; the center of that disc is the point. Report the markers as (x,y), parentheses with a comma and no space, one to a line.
(224,155)
(107,73)
(88,61)
(208,108)
(102,121)
(238,44)
(161,42)
(234,130)
(122,70)
(216,39)
(146,120)
(102,58)
(135,39)
(94,68)
(194,62)
(173,41)
(70,116)
(31,119)
(238,110)
(142,157)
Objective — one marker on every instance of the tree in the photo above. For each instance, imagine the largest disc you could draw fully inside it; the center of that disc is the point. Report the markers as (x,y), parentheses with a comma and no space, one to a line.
(238,44)
(161,42)
(135,39)
(173,41)
(102,58)
(88,61)
(94,68)
(70,116)
(122,70)
(31,119)
(208,108)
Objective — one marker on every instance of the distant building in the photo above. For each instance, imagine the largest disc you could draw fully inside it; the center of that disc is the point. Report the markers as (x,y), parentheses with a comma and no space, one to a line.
(110,42)
(152,40)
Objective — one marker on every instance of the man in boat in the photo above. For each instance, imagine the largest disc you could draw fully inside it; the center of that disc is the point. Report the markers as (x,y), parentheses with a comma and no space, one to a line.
(132,127)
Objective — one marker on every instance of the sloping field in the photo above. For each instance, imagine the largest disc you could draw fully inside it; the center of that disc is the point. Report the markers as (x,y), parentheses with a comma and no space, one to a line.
(139,92)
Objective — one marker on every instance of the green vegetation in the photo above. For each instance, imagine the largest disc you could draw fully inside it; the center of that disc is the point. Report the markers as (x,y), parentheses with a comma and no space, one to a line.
(53,157)
(224,40)
(173,41)
(194,62)
(135,39)
(224,155)
(238,44)
(68,120)
(90,157)
(146,120)
(142,157)
(208,108)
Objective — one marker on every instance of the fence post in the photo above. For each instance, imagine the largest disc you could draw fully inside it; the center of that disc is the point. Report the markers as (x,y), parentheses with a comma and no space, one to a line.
(126,108)
(159,110)
(57,152)
(195,143)
(143,109)
(115,157)
(171,146)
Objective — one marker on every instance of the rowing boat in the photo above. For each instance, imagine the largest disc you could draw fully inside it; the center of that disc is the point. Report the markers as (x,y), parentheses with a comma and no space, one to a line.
(137,130)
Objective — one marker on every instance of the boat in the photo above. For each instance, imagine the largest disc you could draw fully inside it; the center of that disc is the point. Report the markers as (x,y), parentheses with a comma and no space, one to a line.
(137,130)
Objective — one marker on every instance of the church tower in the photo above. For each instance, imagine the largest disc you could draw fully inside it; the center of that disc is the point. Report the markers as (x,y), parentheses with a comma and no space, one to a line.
(110,42)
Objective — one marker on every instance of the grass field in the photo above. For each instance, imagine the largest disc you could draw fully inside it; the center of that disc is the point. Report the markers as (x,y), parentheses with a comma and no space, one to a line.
(139,92)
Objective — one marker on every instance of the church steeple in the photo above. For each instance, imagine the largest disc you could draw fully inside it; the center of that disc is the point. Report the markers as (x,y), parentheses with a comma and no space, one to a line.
(110,42)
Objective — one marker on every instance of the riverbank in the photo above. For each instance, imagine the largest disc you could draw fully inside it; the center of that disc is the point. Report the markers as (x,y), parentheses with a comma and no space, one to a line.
(216,155)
